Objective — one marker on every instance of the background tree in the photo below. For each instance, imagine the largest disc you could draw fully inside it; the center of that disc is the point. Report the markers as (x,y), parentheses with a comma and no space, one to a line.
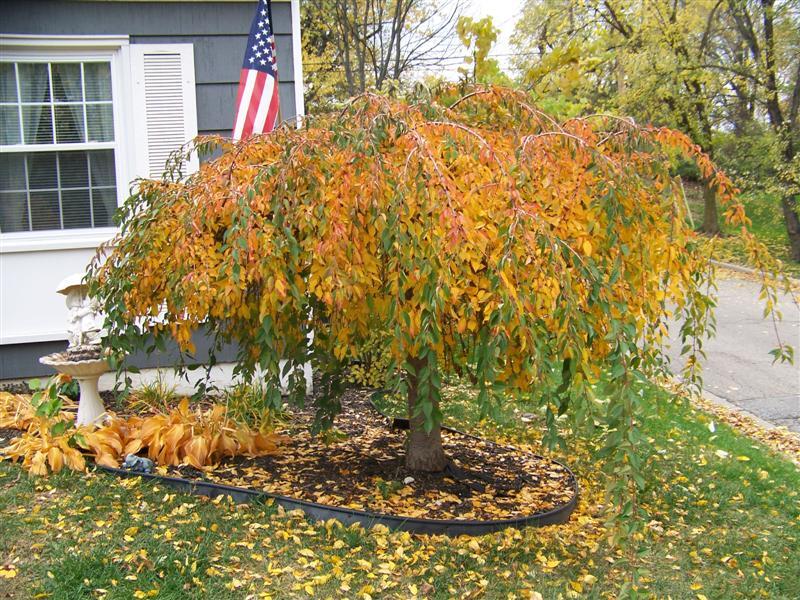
(770,30)
(640,59)
(478,37)
(354,45)
(705,67)
(534,259)
(323,77)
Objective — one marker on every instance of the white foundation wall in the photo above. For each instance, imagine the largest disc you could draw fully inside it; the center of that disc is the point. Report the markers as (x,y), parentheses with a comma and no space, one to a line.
(30,308)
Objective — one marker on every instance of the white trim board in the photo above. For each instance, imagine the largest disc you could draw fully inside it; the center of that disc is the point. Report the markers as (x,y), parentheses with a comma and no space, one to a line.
(297,60)
(18,40)
(61,239)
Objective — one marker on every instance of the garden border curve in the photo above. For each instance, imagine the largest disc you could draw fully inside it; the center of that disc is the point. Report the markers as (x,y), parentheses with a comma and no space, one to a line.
(348,516)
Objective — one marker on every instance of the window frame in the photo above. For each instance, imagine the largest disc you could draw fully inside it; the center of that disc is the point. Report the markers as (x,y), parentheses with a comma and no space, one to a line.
(46,49)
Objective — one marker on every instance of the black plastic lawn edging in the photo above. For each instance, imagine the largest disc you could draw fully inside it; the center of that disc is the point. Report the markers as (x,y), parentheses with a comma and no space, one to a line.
(348,516)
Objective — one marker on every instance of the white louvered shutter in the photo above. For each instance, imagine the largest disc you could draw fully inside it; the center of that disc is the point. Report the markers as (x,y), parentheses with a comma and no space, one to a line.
(165,106)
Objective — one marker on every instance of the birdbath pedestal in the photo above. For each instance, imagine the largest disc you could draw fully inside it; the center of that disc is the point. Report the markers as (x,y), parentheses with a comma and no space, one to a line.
(87,372)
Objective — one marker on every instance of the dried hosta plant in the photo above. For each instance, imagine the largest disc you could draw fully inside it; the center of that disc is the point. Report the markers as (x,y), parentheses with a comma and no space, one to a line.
(195,437)
(16,411)
(199,438)
(47,443)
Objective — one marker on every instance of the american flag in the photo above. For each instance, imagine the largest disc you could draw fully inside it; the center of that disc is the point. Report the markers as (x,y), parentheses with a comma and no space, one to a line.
(257,105)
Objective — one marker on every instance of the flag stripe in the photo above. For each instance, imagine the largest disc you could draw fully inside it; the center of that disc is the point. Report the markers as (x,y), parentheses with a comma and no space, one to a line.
(272,115)
(263,105)
(246,82)
(255,101)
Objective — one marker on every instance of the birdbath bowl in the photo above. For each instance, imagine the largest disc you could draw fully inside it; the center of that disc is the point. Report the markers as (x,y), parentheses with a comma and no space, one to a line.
(87,372)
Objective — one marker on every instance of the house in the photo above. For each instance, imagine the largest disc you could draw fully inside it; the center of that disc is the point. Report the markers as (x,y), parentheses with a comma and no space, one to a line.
(94,94)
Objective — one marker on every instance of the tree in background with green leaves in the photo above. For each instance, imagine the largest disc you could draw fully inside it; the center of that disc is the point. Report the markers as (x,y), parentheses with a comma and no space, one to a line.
(704,67)
(770,32)
(630,57)
(478,37)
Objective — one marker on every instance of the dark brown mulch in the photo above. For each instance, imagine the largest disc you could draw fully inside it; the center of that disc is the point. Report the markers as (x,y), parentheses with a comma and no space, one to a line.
(15,387)
(363,468)
(7,435)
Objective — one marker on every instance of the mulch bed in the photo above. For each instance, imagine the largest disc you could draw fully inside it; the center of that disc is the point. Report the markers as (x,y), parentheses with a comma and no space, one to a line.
(364,469)
(360,465)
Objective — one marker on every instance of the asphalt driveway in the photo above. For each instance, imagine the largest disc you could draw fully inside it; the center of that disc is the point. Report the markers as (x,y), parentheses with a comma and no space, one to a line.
(739,367)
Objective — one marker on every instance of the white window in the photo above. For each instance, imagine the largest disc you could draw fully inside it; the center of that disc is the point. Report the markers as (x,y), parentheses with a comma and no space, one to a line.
(57,167)
(63,139)
(80,118)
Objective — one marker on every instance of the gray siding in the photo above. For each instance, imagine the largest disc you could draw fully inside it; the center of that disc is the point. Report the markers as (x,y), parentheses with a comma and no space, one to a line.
(217,30)
(22,360)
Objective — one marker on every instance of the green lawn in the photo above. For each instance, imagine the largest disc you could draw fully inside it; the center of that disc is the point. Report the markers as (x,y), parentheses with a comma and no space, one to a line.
(768,225)
(725,523)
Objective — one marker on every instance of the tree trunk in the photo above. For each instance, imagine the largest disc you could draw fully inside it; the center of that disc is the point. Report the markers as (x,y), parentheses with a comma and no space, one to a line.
(789,205)
(424,451)
(710,212)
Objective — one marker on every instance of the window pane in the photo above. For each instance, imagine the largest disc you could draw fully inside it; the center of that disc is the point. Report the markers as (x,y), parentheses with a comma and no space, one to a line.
(8,83)
(98,81)
(67,82)
(101,164)
(44,211)
(34,82)
(42,171)
(42,191)
(101,122)
(13,212)
(9,125)
(105,204)
(38,124)
(75,207)
(12,172)
(69,124)
(73,169)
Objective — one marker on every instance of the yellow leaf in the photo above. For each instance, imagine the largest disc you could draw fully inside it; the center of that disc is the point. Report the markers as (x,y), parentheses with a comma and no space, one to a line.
(55,458)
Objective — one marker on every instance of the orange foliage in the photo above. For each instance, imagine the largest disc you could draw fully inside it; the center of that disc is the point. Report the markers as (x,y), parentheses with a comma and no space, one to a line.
(487,217)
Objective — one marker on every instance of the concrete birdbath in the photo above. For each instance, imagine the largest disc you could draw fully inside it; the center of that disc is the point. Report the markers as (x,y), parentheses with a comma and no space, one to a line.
(83,359)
